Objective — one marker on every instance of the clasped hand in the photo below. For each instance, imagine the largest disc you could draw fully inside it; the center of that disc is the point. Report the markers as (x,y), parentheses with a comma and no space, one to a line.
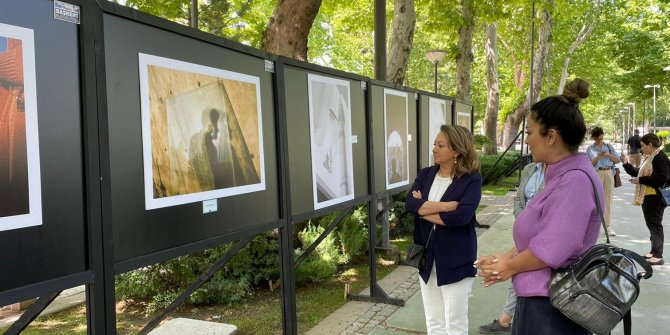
(493,269)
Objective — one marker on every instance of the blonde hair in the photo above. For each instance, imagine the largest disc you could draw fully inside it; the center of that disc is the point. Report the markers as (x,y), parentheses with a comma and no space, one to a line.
(460,140)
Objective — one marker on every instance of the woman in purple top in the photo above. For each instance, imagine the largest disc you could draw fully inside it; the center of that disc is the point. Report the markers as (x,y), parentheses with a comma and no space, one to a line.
(559,224)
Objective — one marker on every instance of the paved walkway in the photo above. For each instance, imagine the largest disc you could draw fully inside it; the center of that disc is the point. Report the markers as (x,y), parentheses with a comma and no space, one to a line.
(650,312)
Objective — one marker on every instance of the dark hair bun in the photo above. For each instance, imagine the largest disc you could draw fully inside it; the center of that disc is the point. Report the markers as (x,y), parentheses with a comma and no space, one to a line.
(576,90)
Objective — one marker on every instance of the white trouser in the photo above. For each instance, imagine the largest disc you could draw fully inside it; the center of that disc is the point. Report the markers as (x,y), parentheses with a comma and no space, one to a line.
(446,306)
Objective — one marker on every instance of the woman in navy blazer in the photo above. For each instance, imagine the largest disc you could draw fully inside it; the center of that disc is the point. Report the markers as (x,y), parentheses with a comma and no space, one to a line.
(443,199)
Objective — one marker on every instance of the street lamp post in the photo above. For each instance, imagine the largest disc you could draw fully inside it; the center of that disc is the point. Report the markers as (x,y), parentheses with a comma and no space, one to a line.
(436,56)
(633,104)
(627,123)
(624,127)
(655,86)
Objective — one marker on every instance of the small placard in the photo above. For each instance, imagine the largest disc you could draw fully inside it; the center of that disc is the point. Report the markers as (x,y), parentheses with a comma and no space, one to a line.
(269,66)
(409,137)
(66,12)
(364,85)
(209,206)
(354,138)
(416,96)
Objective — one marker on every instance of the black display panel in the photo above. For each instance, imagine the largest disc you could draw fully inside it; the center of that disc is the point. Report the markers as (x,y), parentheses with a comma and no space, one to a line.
(52,244)
(395,141)
(327,139)
(435,111)
(148,65)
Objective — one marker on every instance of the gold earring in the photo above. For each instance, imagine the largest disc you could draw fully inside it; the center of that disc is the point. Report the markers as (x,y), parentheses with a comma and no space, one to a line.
(455,160)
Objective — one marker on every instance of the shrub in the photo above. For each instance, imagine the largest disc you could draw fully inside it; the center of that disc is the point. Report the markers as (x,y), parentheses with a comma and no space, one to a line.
(322,263)
(482,141)
(487,161)
(401,223)
(662,135)
(159,284)
(353,234)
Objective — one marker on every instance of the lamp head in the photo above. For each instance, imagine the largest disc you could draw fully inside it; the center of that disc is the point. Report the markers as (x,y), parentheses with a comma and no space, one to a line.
(436,56)
(667,68)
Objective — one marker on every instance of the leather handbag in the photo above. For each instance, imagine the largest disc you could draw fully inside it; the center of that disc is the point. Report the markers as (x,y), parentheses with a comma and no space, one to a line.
(598,289)
(416,253)
(617,178)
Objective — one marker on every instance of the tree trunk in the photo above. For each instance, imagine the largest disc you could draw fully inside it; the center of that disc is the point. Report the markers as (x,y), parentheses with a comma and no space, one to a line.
(286,33)
(492,89)
(400,44)
(582,36)
(514,119)
(465,56)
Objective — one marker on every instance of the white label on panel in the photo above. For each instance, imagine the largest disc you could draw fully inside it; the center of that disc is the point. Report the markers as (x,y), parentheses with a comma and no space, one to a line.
(354,138)
(209,206)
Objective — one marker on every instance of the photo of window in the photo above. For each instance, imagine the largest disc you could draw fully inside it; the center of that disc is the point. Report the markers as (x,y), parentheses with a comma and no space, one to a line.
(201,131)
(20,181)
(396,127)
(437,116)
(330,135)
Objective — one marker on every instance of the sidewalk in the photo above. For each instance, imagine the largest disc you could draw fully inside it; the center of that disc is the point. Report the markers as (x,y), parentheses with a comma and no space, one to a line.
(649,312)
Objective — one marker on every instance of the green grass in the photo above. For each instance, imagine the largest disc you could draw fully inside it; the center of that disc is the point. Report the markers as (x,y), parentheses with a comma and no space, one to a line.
(503,186)
(259,314)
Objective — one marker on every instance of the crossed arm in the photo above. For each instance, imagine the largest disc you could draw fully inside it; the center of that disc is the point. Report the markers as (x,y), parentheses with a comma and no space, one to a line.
(430,210)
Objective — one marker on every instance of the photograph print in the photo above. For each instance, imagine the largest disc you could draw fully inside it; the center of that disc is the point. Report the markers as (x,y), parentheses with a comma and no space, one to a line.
(20,182)
(437,116)
(396,126)
(464,119)
(330,135)
(201,132)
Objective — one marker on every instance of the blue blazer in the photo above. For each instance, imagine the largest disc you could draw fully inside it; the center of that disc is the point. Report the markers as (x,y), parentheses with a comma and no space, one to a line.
(453,247)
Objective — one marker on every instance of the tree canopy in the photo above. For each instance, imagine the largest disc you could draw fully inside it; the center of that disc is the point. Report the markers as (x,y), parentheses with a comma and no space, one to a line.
(627,46)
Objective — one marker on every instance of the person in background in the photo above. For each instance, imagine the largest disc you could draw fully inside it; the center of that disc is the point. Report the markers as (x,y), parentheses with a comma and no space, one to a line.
(443,199)
(652,175)
(634,148)
(603,157)
(559,224)
(531,182)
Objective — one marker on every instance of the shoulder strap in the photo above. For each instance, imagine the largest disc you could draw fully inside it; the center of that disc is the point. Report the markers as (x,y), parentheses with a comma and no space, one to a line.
(648,271)
(597,198)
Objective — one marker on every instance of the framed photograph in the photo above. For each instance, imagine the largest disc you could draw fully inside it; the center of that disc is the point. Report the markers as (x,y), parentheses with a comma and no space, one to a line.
(201,131)
(330,136)
(437,116)
(464,119)
(396,130)
(20,181)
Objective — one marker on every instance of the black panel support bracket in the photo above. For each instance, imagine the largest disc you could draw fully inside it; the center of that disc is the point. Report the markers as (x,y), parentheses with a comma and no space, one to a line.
(31,314)
(377,296)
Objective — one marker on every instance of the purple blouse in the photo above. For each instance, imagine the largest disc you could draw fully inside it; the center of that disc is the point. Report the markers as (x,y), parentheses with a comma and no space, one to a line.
(559,224)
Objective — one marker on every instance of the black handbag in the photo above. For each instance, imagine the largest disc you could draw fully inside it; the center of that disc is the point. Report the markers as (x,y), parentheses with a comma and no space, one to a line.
(617,178)
(598,289)
(416,253)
